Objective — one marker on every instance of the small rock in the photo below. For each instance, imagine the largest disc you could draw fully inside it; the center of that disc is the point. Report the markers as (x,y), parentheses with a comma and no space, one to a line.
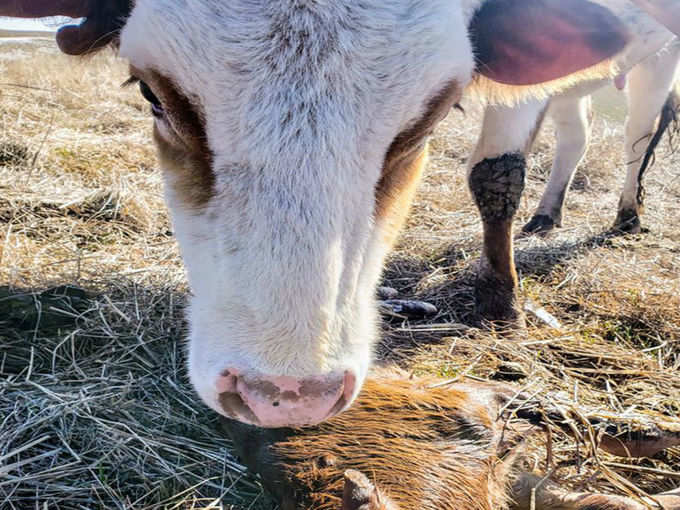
(509,371)
(387,293)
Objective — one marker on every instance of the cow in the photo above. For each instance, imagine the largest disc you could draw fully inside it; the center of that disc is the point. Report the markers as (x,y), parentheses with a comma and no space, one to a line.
(429,445)
(648,63)
(292,135)
(651,93)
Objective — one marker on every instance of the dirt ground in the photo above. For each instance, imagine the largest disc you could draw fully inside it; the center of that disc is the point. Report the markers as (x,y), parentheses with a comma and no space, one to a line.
(95,406)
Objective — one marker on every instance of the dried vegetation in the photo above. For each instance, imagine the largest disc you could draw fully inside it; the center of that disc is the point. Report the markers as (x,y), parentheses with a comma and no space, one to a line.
(95,407)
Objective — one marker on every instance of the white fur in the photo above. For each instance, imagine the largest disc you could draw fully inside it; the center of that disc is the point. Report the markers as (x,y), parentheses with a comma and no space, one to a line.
(301,101)
(572,129)
(506,129)
(284,260)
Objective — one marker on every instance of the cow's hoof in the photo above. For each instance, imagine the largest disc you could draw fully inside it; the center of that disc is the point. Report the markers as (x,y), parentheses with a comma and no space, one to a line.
(507,325)
(540,224)
(498,306)
(628,222)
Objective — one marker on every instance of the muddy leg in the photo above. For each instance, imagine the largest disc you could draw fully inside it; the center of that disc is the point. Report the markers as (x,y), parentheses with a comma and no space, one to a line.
(649,84)
(496,178)
(497,186)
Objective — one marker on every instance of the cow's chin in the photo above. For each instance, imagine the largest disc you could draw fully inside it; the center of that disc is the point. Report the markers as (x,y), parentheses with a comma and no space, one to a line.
(241,380)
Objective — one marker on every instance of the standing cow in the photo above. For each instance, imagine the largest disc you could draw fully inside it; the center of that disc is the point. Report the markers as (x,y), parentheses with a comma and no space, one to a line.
(648,63)
(292,135)
(653,105)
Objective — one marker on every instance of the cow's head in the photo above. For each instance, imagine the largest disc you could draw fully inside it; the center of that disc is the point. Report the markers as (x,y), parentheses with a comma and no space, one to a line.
(292,134)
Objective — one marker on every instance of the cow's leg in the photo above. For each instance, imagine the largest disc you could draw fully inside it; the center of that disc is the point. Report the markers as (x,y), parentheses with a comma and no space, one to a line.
(548,495)
(496,179)
(572,117)
(649,85)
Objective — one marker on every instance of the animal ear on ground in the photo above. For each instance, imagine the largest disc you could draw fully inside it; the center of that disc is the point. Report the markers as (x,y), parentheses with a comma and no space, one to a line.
(527,42)
(360,494)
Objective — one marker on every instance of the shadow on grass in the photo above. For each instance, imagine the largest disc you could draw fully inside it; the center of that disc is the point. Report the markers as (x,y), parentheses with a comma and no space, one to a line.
(540,261)
(97,410)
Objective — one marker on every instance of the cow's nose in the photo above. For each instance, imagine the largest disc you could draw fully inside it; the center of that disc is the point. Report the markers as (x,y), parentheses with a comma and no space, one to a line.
(282,401)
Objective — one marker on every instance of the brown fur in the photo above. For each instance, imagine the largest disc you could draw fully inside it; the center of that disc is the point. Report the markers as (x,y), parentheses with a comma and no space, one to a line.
(360,494)
(522,43)
(404,164)
(101,27)
(186,155)
(412,444)
(445,445)
(395,194)
(550,496)
(491,92)
(497,185)
(44,8)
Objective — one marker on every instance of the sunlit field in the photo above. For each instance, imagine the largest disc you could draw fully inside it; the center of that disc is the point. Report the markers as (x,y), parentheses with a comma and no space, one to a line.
(95,407)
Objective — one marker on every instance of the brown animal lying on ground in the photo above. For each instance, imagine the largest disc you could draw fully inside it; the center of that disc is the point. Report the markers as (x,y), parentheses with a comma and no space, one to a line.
(430,448)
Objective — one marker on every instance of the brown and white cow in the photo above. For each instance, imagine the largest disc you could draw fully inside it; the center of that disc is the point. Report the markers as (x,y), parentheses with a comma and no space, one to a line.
(653,105)
(292,134)
(649,59)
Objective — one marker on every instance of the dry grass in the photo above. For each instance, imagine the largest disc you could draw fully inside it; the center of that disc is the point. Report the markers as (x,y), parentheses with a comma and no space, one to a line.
(95,407)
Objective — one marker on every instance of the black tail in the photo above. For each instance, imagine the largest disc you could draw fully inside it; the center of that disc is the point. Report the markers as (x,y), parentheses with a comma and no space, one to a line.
(670,118)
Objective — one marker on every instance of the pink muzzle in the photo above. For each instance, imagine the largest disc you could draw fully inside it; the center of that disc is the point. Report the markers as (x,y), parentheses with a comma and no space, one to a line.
(282,401)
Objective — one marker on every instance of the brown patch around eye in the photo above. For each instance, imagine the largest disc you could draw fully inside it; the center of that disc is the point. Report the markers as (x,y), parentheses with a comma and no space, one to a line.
(405,161)
(191,174)
(186,155)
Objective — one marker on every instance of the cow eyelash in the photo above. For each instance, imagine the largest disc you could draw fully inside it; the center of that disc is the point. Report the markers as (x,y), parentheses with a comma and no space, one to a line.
(147,93)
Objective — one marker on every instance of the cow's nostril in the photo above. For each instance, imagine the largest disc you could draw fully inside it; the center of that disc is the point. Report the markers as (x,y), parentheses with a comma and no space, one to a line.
(281,401)
(236,408)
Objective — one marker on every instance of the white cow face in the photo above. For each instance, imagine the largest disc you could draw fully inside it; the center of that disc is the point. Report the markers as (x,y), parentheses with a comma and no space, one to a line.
(291,135)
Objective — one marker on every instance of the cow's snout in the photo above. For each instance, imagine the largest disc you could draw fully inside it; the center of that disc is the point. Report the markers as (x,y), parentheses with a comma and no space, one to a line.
(282,401)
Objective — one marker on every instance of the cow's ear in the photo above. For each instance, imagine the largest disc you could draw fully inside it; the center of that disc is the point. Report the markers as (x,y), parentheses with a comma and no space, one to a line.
(527,42)
(101,27)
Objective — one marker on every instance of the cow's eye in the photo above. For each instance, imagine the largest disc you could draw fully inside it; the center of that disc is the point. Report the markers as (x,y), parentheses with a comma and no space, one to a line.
(156,106)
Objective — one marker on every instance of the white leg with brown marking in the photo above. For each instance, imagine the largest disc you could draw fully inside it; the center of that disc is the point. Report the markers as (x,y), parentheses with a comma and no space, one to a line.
(496,179)
(649,85)
(572,117)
